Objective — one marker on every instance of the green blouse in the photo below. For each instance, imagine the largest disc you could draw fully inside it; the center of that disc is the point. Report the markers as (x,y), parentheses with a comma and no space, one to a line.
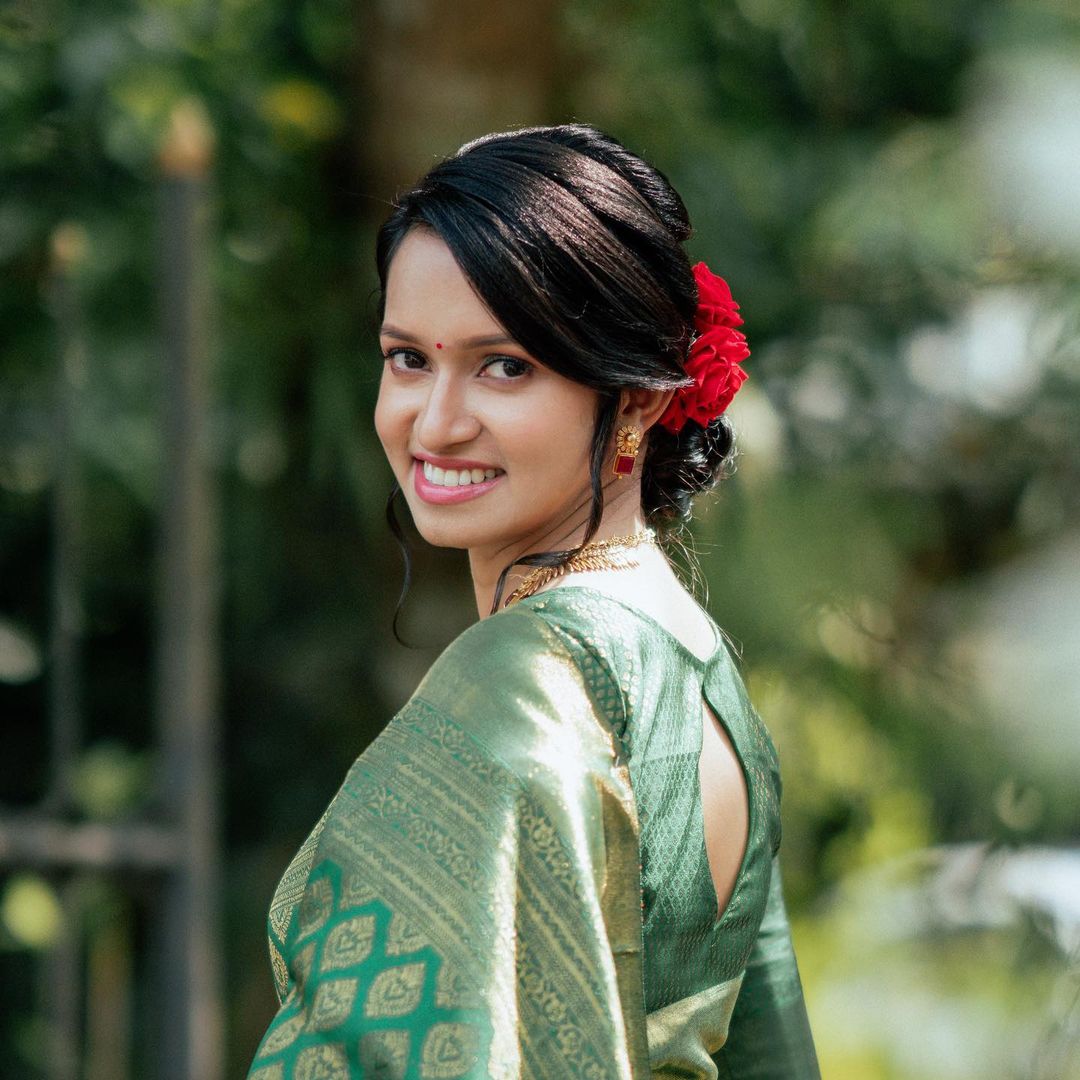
(512,880)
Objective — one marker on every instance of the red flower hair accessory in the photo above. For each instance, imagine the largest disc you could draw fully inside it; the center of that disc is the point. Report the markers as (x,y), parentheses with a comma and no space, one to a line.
(717,350)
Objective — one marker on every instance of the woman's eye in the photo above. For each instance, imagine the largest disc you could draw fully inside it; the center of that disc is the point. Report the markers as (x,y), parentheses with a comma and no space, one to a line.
(404,359)
(499,367)
(508,367)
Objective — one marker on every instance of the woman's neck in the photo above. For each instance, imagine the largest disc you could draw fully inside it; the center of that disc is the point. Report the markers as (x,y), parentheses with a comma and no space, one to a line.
(651,586)
(622,517)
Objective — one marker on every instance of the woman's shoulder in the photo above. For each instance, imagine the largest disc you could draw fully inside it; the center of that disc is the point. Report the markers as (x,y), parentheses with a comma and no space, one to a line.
(514,639)
(522,684)
(611,646)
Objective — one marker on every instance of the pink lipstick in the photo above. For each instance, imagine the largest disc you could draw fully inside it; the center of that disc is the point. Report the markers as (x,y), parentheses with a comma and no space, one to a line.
(441,495)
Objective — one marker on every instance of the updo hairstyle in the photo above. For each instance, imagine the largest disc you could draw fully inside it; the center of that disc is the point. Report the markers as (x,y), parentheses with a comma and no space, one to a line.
(575,245)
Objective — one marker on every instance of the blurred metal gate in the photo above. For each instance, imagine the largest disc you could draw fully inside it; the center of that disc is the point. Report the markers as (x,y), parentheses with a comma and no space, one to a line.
(172,855)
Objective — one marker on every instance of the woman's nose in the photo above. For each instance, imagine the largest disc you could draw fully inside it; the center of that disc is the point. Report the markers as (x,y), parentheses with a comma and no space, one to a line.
(445,418)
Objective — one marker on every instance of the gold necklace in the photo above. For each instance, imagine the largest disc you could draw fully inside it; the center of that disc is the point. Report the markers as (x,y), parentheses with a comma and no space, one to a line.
(610,554)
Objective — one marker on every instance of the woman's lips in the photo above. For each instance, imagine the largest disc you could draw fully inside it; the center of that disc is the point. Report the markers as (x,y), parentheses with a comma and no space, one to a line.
(436,493)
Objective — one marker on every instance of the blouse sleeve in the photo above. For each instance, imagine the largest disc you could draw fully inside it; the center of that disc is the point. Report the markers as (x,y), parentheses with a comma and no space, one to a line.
(769,1037)
(472,907)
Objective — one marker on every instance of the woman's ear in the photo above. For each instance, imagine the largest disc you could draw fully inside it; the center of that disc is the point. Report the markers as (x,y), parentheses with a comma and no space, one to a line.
(641,407)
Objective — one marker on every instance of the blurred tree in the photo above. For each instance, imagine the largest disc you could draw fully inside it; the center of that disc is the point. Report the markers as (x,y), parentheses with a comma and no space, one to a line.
(439,72)
(890,190)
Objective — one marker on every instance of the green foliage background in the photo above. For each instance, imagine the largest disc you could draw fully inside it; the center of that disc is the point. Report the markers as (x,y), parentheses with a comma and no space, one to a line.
(888,187)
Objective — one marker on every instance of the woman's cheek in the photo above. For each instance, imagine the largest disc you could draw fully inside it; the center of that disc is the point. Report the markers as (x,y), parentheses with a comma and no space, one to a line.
(388,424)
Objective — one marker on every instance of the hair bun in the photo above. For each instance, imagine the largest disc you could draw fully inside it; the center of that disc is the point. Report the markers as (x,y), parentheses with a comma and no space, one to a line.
(678,467)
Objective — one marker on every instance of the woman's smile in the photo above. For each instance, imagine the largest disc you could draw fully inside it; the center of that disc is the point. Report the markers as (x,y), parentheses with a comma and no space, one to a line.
(454,483)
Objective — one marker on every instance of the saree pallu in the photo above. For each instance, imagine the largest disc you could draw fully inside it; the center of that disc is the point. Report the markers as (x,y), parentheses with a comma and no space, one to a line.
(471,902)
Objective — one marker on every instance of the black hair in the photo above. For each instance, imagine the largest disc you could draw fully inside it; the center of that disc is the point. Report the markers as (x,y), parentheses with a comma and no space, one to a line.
(575,245)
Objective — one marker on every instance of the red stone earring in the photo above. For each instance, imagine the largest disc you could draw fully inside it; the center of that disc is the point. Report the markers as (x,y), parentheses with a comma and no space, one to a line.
(627,442)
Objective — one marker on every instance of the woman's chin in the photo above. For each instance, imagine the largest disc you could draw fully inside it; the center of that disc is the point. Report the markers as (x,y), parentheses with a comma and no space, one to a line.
(444,539)
(448,534)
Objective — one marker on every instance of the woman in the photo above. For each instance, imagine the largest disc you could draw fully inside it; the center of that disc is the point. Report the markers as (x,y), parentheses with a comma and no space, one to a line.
(559,858)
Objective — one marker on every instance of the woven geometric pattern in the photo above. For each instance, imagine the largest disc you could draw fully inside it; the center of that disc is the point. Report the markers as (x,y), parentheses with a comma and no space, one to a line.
(454,920)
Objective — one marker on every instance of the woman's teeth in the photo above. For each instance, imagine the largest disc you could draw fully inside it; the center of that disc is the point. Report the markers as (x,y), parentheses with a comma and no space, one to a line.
(457,477)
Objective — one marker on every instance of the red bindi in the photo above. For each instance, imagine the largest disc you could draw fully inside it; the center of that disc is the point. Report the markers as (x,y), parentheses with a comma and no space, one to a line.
(438,344)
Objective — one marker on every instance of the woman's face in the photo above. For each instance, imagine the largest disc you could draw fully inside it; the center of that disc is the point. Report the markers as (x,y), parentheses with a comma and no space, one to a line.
(490,447)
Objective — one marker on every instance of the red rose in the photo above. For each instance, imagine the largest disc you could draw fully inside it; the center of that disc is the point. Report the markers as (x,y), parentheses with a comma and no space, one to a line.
(714,357)
(716,307)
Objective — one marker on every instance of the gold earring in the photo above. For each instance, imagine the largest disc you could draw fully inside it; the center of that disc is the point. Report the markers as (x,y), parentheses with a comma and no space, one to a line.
(627,442)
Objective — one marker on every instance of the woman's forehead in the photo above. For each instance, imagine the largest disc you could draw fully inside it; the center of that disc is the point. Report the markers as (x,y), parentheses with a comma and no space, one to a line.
(428,293)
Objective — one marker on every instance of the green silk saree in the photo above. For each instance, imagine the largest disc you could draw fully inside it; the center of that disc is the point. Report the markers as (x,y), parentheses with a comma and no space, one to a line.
(511,882)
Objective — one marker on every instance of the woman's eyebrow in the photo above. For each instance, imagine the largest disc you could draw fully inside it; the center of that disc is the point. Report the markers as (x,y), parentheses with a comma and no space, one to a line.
(468,343)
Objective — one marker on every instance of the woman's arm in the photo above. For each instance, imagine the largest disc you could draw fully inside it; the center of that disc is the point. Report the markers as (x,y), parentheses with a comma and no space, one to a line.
(769,1037)
(473,905)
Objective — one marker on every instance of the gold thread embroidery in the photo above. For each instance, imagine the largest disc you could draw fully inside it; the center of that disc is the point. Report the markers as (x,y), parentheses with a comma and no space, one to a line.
(348,943)
(332,1005)
(395,991)
(281,971)
(402,937)
(323,1062)
(291,886)
(356,891)
(453,992)
(449,1051)
(316,906)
